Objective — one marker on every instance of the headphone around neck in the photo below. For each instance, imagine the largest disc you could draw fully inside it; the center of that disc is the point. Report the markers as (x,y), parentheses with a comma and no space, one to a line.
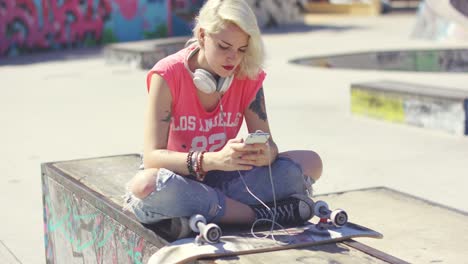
(205,81)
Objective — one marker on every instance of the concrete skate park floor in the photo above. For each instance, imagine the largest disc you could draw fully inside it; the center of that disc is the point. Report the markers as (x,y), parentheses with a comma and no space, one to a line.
(80,108)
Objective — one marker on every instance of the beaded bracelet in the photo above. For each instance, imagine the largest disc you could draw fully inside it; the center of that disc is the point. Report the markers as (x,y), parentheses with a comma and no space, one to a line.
(200,172)
(190,162)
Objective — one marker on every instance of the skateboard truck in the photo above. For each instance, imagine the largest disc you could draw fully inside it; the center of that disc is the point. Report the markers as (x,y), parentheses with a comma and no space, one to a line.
(208,233)
(336,217)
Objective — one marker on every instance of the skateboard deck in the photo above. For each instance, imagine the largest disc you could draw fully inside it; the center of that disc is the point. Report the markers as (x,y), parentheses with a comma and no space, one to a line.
(187,250)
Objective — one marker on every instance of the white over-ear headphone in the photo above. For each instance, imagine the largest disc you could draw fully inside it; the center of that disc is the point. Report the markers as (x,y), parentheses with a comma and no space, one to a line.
(205,81)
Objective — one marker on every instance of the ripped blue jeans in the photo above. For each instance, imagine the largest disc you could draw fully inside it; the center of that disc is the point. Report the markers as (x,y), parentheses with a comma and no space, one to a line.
(183,196)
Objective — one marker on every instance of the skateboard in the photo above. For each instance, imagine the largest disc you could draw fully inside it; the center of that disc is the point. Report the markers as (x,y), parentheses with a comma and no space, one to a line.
(326,227)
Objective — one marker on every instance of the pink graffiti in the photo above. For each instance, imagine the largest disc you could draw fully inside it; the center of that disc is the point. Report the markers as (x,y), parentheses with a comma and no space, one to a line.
(21,24)
(128,8)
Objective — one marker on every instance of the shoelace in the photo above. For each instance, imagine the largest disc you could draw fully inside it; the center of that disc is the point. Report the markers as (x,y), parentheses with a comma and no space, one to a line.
(284,213)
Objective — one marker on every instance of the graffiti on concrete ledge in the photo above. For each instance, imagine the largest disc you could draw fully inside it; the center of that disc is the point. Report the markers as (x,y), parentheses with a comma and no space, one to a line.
(74,230)
(423,111)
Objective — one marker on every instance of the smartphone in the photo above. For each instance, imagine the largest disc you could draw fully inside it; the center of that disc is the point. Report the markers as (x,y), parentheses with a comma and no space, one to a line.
(257,137)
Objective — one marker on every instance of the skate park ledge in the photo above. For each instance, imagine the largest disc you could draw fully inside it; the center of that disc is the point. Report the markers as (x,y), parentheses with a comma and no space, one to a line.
(143,54)
(82,201)
(432,107)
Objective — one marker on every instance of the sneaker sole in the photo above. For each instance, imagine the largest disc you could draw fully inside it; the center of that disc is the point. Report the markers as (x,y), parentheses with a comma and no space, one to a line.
(306,206)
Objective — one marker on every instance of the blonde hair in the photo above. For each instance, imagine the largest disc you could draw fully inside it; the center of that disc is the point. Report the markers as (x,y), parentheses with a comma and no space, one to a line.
(215,14)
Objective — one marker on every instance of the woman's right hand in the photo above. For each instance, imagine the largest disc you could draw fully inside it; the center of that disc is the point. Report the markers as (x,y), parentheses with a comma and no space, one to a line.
(229,158)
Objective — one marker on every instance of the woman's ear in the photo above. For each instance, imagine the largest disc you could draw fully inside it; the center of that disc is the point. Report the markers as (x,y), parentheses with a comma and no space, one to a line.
(201,37)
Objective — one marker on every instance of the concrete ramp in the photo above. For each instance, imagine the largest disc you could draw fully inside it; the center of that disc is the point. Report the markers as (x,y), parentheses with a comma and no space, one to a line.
(442,20)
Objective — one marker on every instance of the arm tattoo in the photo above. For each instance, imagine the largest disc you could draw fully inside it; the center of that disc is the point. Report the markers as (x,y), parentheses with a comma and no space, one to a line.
(168,117)
(258,105)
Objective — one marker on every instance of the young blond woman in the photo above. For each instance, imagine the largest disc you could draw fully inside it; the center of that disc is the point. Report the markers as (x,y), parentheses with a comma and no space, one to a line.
(194,161)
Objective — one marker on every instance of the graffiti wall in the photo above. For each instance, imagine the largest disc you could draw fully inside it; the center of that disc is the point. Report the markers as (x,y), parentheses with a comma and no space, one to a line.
(181,14)
(28,26)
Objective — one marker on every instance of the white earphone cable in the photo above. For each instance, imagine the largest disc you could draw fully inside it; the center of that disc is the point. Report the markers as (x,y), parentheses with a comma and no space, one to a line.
(272,212)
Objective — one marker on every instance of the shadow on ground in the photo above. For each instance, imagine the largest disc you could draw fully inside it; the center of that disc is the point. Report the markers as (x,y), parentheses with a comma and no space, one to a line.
(49,56)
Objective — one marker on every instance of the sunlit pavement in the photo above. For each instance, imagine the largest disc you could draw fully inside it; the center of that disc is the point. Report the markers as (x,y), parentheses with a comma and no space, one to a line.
(82,108)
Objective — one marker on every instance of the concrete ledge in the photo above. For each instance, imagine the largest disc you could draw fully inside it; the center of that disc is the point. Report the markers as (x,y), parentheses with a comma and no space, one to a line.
(84,221)
(83,217)
(425,106)
(143,54)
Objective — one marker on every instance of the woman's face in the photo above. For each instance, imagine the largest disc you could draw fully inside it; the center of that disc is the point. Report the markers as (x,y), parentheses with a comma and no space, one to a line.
(225,50)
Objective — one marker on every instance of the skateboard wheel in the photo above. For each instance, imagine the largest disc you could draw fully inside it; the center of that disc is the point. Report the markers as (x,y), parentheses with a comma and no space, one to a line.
(321,209)
(194,220)
(339,217)
(212,233)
